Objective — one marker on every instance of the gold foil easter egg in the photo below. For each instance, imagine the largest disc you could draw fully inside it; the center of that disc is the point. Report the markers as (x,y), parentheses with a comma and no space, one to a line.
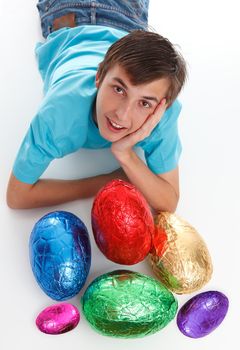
(179,256)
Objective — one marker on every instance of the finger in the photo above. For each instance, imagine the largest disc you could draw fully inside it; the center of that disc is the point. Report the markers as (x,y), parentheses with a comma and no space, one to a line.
(158,111)
(151,121)
(146,129)
(155,117)
(161,106)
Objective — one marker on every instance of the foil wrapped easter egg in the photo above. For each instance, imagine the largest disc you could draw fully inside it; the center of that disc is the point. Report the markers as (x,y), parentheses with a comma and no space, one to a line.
(128,304)
(179,256)
(122,223)
(202,314)
(60,254)
(58,319)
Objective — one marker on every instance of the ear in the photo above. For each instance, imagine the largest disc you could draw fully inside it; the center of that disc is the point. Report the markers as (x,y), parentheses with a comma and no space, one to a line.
(97,80)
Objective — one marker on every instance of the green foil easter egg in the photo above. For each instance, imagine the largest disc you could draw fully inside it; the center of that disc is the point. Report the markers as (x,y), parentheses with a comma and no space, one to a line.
(128,304)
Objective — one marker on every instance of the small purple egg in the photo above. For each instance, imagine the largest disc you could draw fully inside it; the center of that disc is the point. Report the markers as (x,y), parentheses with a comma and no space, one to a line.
(203,313)
(57,319)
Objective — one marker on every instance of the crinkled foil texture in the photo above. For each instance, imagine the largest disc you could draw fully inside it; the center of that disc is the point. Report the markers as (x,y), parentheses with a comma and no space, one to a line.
(60,254)
(202,314)
(122,223)
(179,256)
(58,319)
(128,304)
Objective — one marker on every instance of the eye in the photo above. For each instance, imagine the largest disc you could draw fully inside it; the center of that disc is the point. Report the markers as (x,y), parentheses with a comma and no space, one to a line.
(146,104)
(118,89)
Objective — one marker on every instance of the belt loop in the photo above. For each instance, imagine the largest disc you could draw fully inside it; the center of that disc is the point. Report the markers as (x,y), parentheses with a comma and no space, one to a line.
(93,12)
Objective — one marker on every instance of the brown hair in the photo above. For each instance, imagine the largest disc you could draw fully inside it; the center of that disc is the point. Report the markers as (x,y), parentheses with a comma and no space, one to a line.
(147,56)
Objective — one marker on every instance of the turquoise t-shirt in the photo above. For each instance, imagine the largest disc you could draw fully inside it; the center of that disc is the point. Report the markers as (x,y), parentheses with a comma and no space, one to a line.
(68,62)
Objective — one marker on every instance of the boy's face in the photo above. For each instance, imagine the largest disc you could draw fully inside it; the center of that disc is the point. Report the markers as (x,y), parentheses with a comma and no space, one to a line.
(122,108)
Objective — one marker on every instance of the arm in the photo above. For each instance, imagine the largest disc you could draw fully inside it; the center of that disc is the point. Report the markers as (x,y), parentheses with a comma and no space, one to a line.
(162,190)
(58,129)
(50,192)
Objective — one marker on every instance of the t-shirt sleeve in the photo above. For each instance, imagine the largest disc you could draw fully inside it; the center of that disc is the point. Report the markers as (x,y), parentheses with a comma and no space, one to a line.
(55,131)
(163,148)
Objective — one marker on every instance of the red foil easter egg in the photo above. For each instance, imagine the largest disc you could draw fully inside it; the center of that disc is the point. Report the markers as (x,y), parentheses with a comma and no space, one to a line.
(122,223)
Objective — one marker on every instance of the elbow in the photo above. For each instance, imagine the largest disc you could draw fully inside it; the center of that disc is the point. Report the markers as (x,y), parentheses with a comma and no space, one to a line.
(9,202)
(172,209)
(172,205)
(169,207)
(17,194)
(12,200)
(14,205)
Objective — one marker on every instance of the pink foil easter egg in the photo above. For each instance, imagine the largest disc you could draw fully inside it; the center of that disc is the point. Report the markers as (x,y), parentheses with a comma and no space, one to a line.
(57,319)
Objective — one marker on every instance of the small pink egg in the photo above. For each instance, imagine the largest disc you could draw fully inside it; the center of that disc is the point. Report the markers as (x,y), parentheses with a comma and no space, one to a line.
(57,319)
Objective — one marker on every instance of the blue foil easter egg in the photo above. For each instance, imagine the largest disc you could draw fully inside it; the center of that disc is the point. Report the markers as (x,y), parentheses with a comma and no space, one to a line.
(60,254)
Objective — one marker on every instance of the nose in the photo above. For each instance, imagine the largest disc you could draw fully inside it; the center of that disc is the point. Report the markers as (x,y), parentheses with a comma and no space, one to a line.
(124,112)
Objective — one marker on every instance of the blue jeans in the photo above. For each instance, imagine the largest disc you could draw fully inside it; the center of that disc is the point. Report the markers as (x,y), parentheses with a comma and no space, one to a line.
(122,14)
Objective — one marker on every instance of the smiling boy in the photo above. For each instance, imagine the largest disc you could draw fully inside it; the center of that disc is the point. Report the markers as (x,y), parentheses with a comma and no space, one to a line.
(113,85)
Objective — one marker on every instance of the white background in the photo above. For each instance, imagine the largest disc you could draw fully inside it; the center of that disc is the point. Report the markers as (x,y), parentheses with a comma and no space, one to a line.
(208,35)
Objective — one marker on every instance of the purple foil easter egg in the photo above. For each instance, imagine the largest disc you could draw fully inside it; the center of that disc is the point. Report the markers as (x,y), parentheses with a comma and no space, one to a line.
(57,319)
(203,313)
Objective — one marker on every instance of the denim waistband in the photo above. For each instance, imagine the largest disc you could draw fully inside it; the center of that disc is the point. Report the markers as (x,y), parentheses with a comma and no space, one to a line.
(126,14)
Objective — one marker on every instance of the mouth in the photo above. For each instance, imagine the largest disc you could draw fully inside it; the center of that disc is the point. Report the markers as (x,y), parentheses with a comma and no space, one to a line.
(114,126)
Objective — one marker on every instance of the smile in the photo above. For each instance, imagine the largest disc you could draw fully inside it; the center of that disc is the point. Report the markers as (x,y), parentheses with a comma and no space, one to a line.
(114,125)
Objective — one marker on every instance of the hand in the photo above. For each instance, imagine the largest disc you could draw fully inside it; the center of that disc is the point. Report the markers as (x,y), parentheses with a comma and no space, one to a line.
(118,174)
(124,146)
